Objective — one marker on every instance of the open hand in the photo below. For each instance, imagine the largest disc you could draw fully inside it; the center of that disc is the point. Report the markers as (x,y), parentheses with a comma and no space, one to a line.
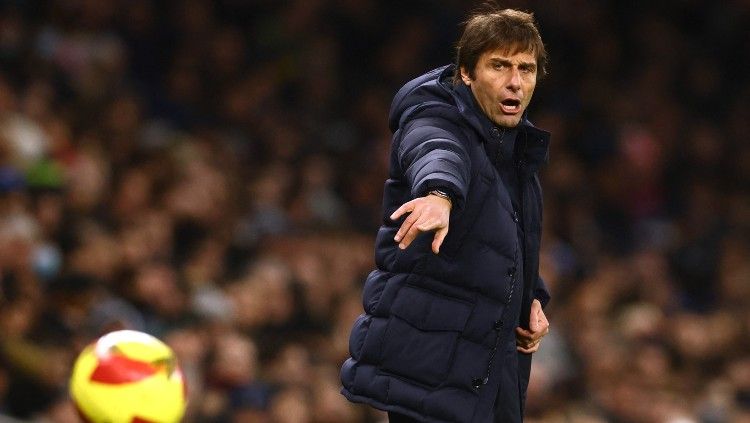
(428,213)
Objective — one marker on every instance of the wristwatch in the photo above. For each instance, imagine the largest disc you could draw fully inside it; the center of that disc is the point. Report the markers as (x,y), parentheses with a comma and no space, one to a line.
(441,194)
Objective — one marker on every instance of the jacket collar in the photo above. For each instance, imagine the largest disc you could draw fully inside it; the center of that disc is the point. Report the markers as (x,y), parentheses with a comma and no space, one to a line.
(535,141)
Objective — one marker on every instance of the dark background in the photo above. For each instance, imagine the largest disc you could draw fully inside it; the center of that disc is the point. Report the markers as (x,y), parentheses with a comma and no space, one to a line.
(211,172)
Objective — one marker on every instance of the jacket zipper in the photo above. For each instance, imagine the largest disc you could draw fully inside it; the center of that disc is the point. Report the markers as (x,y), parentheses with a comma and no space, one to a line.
(478,383)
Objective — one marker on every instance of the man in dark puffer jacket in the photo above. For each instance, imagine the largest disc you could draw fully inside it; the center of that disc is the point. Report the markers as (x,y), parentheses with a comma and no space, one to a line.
(454,310)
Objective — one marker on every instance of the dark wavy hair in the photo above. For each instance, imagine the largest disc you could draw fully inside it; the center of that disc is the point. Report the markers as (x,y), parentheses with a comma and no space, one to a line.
(492,28)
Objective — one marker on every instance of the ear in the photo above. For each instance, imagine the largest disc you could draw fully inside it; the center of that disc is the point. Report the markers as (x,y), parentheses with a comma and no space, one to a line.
(465,76)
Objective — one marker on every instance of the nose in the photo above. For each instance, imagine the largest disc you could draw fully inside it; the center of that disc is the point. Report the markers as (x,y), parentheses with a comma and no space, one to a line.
(514,82)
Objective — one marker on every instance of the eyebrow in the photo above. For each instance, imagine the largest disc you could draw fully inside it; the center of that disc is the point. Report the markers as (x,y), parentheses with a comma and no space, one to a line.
(499,61)
(506,62)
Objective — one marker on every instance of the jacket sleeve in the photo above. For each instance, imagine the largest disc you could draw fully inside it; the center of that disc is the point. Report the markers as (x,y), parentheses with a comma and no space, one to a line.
(540,292)
(432,155)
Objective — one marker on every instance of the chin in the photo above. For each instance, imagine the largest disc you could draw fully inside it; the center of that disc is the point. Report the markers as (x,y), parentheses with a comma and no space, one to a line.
(508,122)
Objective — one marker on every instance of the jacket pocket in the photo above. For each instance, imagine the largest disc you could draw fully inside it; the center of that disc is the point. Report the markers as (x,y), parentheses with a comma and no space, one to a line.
(422,334)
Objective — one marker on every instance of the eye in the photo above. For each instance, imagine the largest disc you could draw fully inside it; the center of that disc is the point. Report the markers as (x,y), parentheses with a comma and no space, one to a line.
(498,66)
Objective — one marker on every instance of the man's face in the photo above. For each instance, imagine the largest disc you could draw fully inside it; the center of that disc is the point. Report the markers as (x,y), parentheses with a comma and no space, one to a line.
(503,84)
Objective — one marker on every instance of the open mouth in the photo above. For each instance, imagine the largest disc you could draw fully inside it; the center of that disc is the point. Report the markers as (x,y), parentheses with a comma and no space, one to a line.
(510,106)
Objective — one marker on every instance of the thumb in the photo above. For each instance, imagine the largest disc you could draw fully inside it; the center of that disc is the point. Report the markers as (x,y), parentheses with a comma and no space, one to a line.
(534,317)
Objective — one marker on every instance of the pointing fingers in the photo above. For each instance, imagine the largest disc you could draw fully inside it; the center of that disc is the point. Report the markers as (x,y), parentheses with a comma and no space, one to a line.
(429,213)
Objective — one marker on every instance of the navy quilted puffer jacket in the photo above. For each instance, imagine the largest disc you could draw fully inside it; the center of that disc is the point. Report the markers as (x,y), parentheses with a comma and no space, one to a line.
(438,327)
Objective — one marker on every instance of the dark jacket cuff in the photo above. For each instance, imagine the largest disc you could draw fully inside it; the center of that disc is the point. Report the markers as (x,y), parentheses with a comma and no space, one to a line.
(457,200)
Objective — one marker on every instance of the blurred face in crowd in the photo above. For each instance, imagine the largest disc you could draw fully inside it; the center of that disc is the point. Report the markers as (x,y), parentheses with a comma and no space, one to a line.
(503,84)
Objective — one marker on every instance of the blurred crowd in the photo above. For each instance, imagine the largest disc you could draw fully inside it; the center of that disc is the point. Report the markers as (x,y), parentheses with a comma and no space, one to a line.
(211,172)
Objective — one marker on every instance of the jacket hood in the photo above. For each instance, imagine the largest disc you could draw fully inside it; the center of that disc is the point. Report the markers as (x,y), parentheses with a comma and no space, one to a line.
(433,94)
(435,89)
(421,93)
